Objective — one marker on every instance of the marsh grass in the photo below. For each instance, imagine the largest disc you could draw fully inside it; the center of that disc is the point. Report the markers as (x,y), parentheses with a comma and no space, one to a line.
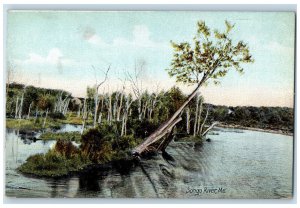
(31,124)
(99,145)
(63,160)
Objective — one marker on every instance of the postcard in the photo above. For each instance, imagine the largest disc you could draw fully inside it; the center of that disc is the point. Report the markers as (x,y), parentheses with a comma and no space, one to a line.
(149,104)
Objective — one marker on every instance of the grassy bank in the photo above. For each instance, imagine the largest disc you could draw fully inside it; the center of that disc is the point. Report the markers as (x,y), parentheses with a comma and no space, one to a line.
(72,118)
(71,136)
(37,124)
(31,124)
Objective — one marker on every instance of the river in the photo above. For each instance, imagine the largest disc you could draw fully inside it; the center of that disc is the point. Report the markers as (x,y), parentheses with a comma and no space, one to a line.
(236,164)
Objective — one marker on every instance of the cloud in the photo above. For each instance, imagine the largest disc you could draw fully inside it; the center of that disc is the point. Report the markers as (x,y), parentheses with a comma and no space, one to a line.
(89,34)
(141,39)
(277,47)
(54,57)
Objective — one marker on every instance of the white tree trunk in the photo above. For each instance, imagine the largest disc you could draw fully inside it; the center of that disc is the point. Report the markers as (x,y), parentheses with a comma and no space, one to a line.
(110,109)
(45,118)
(120,107)
(78,112)
(196,115)
(188,120)
(96,107)
(209,128)
(101,109)
(17,108)
(21,106)
(140,108)
(204,121)
(199,117)
(28,115)
(125,116)
(84,115)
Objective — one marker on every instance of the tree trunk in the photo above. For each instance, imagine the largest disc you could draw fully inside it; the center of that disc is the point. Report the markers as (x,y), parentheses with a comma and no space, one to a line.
(101,109)
(84,115)
(199,117)
(120,107)
(147,143)
(21,106)
(188,120)
(36,112)
(140,108)
(45,118)
(125,117)
(204,121)
(28,115)
(17,108)
(110,110)
(144,110)
(196,116)
(78,112)
(96,108)
(166,125)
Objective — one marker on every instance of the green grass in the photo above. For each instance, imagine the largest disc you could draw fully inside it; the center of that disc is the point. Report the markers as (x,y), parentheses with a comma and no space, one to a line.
(31,124)
(37,124)
(71,136)
(71,118)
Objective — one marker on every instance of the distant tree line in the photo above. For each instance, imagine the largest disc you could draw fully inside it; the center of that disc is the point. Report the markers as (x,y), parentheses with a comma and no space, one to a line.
(276,118)
(150,110)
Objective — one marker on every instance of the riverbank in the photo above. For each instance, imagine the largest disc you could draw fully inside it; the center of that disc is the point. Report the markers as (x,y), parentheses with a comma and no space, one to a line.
(236,126)
(33,124)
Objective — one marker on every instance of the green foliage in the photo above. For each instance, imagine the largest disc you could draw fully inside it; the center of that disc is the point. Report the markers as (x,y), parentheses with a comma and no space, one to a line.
(102,144)
(45,102)
(142,129)
(39,98)
(211,56)
(175,99)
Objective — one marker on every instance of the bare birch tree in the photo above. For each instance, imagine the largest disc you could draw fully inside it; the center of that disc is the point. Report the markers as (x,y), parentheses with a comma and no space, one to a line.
(137,85)
(96,95)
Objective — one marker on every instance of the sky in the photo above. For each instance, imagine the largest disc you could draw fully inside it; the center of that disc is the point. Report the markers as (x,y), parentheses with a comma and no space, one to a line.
(72,50)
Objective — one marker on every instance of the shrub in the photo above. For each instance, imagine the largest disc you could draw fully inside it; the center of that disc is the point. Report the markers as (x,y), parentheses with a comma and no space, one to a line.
(142,129)
(95,147)
(53,163)
(66,148)
(57,115)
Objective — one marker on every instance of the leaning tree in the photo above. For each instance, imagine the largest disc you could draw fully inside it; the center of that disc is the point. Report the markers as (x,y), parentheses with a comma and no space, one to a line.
(209,58)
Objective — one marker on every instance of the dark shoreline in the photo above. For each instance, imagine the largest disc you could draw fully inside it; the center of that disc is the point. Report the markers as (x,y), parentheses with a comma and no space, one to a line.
(235,126)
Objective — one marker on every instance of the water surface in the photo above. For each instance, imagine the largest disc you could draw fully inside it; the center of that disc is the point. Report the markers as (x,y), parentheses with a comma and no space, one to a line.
(235,164)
